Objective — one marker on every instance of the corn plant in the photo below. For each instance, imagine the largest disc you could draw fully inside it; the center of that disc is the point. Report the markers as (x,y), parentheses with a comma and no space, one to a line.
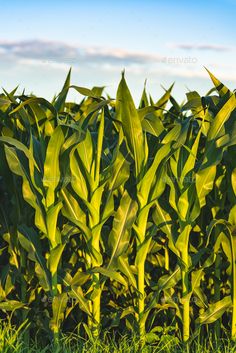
(116,217)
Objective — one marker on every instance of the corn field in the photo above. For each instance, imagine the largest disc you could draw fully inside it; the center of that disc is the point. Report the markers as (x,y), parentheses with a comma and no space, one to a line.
(119,218)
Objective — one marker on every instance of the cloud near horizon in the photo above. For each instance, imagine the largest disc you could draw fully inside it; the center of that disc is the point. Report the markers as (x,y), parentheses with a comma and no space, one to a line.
(59,55)
(53,51)
(203,47)
(30,61)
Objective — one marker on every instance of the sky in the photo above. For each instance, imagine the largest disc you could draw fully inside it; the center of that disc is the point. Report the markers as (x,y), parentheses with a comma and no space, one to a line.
(158,41)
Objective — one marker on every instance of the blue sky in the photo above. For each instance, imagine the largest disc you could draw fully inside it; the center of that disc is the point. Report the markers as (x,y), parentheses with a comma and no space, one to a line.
(163,41)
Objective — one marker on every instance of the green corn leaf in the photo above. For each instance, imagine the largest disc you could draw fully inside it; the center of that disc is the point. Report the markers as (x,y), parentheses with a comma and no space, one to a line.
(78,180)
(145,183)
(59,305)
(142,251)
(169,281)
(119,237)
(20,146)
(127,114)
(52,219)
(233,180)
(218,85)
(41,101)
(52,174)
(215,311)
(59,103)
(152,124)
(144,99)
(54,258)
(116,176)
(85,91)
(77,293)
(163,220)
(113,275)
(161,103)
(192,158)
(99,148)
(217,127)
(125,268)
(182,241)
(71,208)
(12,305)
(30,195)
(172,135)
(30,242)
(204,183)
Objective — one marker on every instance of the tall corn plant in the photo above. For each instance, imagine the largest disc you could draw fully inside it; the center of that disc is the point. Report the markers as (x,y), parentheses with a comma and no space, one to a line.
(125,215)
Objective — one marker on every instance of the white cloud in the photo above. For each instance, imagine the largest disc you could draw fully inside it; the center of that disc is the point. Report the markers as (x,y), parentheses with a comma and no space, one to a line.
(32,63)
(202,47)
(45,64)
(51,51)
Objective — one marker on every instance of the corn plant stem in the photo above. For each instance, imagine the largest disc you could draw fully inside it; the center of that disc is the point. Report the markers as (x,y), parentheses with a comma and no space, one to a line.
(141,300)
(96,301)
(217,292)
(167,260)
(233,284)
(185,291)
(24,291)
(54,284)
(186,309)
(90,321)
(89,264)
(96,307)
(54,294)
(142,225)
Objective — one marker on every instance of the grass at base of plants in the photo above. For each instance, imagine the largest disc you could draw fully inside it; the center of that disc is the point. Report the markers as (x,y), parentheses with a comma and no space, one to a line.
(12,341)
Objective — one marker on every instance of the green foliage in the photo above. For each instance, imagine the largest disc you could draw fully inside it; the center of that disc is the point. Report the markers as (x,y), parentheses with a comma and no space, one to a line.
(117,218)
